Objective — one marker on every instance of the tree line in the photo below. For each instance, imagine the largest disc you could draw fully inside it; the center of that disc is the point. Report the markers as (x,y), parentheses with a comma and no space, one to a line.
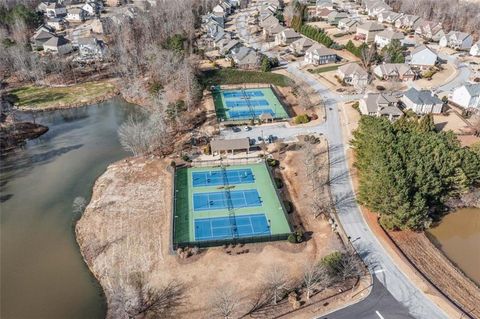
(407,170)
(317,34)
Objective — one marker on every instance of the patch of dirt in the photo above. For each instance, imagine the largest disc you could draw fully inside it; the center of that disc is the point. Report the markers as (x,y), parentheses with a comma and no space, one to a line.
(125,233)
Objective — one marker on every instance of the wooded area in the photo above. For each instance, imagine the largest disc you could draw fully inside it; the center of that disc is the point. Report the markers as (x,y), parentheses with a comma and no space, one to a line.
(407,170)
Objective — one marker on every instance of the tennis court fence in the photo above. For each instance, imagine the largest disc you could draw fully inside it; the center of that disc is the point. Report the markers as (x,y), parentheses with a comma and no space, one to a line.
(235,241)
(227,162)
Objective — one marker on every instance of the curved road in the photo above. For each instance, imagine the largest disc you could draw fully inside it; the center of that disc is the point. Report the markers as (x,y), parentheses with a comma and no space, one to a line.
(371,251)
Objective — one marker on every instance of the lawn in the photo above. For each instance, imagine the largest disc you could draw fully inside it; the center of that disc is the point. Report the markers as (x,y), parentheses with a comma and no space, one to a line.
(38,97)
(235,76)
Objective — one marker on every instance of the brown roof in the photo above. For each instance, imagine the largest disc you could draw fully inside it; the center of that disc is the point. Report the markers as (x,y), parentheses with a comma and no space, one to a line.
(229,145)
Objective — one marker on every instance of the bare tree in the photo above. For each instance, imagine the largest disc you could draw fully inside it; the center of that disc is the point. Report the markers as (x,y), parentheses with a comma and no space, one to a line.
(224,301)
(350,266)
(315,277)
(367,57)
(276,283)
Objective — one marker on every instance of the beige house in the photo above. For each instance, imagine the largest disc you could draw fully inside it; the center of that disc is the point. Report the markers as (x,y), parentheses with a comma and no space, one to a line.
(353,74)
(368,31)
(286,37)
(301,45)
(58,45)
(270,34)
(394,72)
(230,146)
(380,105)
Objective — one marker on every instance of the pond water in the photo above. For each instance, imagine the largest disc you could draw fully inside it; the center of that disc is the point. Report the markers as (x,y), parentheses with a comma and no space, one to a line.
(458,236)
(42,272)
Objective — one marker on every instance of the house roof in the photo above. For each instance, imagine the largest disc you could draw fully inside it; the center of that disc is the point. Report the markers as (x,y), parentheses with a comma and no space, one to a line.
(370,26)
(228,145)
(473,89)
(55,5)
(458,35)
(352,68)
(56,41)
(384,103)
(268,21)
(422,97)
(421,48)
(75,10)
(348,22)
(324,12)
(393,68)
(42,35)
(303,42)
(320,50)
(276,29)
(230,45)
(336,15)
(391,35)
(87,41)
(290,33)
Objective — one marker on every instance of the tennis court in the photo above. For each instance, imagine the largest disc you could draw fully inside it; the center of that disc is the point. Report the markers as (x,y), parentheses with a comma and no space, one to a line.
(225,227)
(217,177)
(206,198)
(246,104)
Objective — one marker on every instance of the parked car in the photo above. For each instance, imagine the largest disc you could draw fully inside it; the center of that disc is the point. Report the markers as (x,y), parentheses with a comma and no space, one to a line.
(252,141)
(260,138)
(246,128)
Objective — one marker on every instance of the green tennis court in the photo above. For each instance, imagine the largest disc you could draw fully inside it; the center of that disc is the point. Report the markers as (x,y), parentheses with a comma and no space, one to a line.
(223,211)
(246,104)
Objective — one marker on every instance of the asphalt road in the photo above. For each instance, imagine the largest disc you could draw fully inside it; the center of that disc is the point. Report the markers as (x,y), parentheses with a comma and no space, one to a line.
(380,304)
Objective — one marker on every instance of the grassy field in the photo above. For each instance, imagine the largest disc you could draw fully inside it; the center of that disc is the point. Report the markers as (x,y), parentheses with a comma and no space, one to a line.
(37,97)
(235,76)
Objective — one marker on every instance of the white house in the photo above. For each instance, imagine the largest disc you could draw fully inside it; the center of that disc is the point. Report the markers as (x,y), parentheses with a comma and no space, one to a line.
(347,25)
(430,30)
(386,37)
(353,74)
(380,105)
(55,10)
(457,40)
(423,57)
(286,37)
(408,21)
(467,96)
(90,9)
(475,50)
(58,45)
(422,102)
(367,31)
(76,15)
(91,48)
(219,10)
(388,17)
(56,23)
(301,45)
(319,54)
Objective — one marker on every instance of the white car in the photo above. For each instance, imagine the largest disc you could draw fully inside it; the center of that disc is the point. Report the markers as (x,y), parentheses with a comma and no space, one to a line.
(246,128)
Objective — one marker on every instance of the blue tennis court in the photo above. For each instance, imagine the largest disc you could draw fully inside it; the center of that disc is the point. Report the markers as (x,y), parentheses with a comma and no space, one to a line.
(215,178)
(226,227)
(218,200)
(243,103)
(247,114)
(237,94)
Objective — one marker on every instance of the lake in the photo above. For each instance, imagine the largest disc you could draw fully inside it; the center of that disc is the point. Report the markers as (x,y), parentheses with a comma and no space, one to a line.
(42,271)
(458,236)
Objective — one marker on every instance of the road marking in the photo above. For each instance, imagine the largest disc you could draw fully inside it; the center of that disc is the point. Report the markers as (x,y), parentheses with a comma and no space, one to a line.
(378,271)
(379,315)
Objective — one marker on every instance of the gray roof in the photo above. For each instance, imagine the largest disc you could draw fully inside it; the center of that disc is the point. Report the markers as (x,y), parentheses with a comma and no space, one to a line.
(351,68)
(421,48)
(384,103)
(370,26)
(290,33)
(391,35)
(56,42)
(392,68)
(321,50)
(423,97)
(459,35)
(473,89)
(42,35)
(228,145)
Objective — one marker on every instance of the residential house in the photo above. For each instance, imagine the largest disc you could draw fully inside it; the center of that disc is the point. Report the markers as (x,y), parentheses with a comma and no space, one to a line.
(347,25)
(58,45)
(380,105)
(91,48)
(286,37)
(55,10)
(41,35)
(422,102)
(475,50)
(229,46)
(430,30)
(334,17)
(271,33)
(423,57)
(466,96)
(90,9)
(268,22)
(457,40)
(57,24)
(318,54)
(353,74)
(386,37)
(310,12)
(367,31)
(219,10)
(221,39)
(378,8)
(323,13)
(245,58)
(321,4)
(213,25)
(300,46)
(394,72)
(408,22)
(388,17)
(76,15)
(42,7)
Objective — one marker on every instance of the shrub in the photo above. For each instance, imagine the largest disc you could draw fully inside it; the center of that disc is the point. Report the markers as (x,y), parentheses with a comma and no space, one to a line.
(356,105)
(173,164)
(301,119)
(278,182)
(186,158)
(288,206)
(207,150)
(332,262)
(292,239)
(272,162)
